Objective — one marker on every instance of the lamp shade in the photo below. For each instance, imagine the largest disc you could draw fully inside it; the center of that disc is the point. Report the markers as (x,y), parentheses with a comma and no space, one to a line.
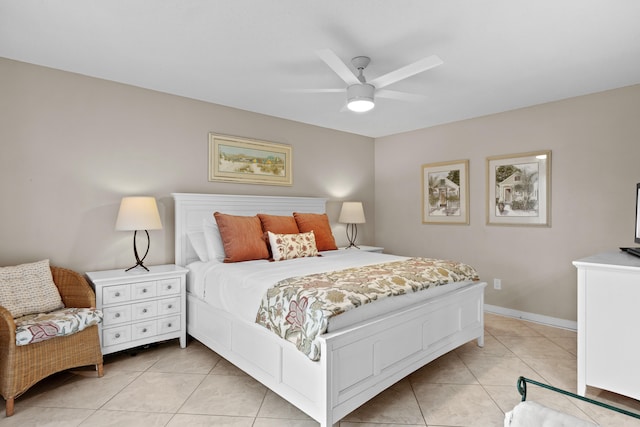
(138,213)
(352,213)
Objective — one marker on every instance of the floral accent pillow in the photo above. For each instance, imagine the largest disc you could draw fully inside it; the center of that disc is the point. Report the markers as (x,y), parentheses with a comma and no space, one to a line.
(290,246)
(40,327)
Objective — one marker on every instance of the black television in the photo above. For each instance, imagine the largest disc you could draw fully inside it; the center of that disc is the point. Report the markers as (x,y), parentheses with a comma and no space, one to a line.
(637,239)
(636,234)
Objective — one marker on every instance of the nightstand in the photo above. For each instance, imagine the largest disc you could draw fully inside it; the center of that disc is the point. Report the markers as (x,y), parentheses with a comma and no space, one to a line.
(140,307)
(365,248)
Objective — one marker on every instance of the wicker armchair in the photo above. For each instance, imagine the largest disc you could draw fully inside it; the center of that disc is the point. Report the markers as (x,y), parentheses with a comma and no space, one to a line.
(23,366)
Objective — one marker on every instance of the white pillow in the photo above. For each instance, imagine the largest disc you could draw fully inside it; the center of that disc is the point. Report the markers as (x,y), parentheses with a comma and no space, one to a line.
(197,240)
(290,246)
(28,289)
(213,240)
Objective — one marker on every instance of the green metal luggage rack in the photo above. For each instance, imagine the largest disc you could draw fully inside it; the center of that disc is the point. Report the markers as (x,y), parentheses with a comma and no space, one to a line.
(522,389)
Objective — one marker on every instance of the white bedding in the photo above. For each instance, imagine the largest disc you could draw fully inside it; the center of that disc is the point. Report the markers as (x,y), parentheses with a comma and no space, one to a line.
(532,414)
(238,288)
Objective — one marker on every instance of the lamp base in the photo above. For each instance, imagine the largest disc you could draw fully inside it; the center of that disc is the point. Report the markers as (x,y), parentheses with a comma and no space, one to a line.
(137,264)
(352,234)
(139,261)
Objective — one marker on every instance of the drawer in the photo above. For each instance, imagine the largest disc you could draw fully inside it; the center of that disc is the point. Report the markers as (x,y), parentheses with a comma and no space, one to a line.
(143,290)
(144,310)
(115,315)
(169,286)
(144,330)
(169,306)
(115,294)
(169,324)
(116,335)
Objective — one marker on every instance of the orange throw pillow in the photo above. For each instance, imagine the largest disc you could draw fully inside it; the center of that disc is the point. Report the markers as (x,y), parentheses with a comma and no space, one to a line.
(278,224)
(241,237)
(319,224)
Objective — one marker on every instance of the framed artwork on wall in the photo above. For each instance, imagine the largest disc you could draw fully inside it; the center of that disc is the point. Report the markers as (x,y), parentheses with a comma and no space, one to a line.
(249,161)
(445,192)
(519,189)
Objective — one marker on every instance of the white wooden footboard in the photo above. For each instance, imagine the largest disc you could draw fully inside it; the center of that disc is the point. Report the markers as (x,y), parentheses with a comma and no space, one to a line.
(356,363)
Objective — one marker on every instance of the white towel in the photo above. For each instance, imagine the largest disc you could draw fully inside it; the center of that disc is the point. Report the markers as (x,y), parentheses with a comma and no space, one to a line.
(532,414)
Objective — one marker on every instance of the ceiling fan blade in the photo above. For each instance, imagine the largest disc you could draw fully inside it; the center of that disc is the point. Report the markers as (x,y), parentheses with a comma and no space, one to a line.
(339,67)
(313,90)
(402,96)
(407,71)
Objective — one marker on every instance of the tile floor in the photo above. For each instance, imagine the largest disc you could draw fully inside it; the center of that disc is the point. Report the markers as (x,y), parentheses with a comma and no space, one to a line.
(168,386)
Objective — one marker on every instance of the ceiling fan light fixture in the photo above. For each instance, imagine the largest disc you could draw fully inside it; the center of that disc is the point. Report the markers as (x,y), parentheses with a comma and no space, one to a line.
(360,97)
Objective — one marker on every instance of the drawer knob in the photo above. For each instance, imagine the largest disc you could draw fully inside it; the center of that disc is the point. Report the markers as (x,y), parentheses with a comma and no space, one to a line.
(117,315)
(144,310)
(169,287)
(117,335)
(144,330)
(117,294)
(169,325)
(144,290)
(170,306)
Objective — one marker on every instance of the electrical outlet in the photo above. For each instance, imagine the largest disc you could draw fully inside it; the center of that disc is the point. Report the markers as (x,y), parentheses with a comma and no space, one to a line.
(497,284)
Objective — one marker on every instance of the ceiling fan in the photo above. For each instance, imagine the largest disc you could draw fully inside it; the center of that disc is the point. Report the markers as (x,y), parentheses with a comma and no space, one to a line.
(360,92)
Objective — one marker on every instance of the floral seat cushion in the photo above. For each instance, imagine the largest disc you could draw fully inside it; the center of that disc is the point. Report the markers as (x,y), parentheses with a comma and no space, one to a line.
(43,326)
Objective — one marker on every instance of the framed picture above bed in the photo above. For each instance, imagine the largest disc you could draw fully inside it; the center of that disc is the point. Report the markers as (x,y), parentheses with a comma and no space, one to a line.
(519,189)
(445,192)
(249,161)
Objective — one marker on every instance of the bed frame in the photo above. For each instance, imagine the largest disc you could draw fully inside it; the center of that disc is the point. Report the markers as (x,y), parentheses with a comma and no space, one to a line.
(356,363)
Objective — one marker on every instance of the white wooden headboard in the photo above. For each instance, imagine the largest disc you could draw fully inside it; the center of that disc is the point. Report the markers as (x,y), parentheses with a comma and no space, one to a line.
(191,209)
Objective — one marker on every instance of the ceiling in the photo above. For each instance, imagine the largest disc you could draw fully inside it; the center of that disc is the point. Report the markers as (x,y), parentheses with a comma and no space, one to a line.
(250,54)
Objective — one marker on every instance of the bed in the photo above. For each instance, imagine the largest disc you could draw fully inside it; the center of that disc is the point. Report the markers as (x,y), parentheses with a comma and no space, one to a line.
(357,361)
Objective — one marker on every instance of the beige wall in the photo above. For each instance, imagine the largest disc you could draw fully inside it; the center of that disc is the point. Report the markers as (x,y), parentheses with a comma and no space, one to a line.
(595,144)
(72,146)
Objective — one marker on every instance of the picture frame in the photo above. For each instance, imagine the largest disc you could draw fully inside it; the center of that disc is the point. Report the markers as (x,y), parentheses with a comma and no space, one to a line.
(445,192)
(519,189)
(249,161)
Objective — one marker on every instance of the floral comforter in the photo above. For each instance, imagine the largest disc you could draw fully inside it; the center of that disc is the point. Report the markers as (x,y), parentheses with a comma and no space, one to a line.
(298,308)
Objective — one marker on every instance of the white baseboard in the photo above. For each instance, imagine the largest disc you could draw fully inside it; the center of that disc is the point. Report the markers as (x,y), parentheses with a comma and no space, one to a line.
(532,317)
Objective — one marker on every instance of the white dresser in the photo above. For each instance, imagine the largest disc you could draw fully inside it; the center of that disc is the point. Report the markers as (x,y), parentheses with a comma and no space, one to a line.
(608,321)
(140,307)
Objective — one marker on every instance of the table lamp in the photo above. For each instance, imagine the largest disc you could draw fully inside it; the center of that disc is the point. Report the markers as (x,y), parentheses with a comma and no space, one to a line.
(351,214)
(137,214)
